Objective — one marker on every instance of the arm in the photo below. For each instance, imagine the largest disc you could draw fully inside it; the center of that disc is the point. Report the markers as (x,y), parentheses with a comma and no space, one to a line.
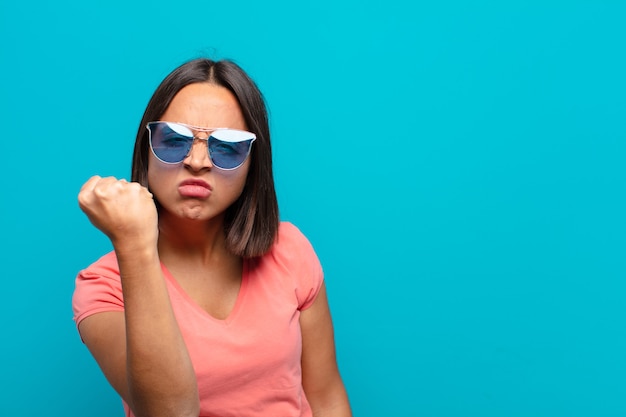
(320,375)
(141,351)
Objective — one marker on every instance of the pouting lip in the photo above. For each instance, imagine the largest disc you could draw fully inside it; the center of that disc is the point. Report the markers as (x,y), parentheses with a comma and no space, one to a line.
(197,182)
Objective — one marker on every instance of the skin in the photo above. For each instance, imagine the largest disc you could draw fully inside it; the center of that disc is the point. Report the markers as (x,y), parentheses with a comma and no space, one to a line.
(141,351)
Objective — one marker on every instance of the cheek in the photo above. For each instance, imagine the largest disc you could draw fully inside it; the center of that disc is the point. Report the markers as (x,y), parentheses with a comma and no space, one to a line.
(236,175)
(159,173)
(234,180)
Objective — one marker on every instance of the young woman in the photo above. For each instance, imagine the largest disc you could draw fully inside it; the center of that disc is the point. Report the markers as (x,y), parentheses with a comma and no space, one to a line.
(208,305)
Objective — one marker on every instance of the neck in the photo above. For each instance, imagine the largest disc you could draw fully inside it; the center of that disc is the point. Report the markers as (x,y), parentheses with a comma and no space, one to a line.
(186,239)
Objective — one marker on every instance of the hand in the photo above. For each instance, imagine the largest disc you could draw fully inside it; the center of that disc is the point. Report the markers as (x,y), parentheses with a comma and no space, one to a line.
(122,210)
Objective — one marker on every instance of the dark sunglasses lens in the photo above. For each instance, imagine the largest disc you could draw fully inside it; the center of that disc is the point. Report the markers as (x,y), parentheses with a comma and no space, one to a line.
(170,142)
(228,155)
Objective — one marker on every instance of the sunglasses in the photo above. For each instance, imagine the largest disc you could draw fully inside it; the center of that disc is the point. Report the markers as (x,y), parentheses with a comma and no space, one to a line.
(171,143)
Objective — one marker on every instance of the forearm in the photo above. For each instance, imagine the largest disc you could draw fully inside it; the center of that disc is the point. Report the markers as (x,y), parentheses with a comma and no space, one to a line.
(330,401)
(160,376)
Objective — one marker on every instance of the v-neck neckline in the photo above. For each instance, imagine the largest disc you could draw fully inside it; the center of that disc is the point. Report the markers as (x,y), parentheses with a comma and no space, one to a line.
(238,301)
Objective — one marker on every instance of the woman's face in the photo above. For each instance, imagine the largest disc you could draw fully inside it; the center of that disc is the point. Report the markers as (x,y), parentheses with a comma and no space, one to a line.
(195,188)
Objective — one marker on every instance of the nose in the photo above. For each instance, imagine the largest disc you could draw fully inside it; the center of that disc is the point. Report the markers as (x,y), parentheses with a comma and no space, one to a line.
(198,156)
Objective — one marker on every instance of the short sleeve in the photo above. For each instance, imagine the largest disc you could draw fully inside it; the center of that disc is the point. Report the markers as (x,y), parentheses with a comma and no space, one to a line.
(295,251)
(98,288)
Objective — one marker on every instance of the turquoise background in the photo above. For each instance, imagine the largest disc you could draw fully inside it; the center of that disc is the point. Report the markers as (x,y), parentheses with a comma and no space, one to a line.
(459,167)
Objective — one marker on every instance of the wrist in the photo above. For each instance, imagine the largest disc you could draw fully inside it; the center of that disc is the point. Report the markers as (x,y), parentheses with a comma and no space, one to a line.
(135,251)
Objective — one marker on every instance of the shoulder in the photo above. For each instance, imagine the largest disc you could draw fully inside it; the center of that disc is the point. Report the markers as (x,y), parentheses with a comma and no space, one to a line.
(293,261)
(98,288)
(292,245)
(105,266)
(288,233)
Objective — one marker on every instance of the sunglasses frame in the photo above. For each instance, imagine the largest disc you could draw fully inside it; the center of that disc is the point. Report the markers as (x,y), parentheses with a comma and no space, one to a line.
(195,129)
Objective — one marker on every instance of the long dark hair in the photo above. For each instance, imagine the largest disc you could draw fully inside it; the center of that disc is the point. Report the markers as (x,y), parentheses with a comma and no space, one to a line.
(251,222)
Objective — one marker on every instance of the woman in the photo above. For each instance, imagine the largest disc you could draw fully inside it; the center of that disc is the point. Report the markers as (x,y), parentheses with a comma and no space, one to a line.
(208,305)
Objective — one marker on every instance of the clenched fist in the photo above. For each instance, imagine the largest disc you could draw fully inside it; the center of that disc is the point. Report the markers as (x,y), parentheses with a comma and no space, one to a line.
(122,210)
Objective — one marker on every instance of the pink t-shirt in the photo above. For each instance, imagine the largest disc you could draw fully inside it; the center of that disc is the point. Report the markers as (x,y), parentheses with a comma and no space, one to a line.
(249,363)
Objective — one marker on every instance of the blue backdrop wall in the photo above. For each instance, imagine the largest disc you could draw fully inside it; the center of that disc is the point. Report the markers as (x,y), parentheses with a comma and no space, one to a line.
(459,167)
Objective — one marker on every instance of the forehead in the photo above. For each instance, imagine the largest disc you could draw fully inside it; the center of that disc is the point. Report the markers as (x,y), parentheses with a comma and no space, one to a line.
(205,105)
